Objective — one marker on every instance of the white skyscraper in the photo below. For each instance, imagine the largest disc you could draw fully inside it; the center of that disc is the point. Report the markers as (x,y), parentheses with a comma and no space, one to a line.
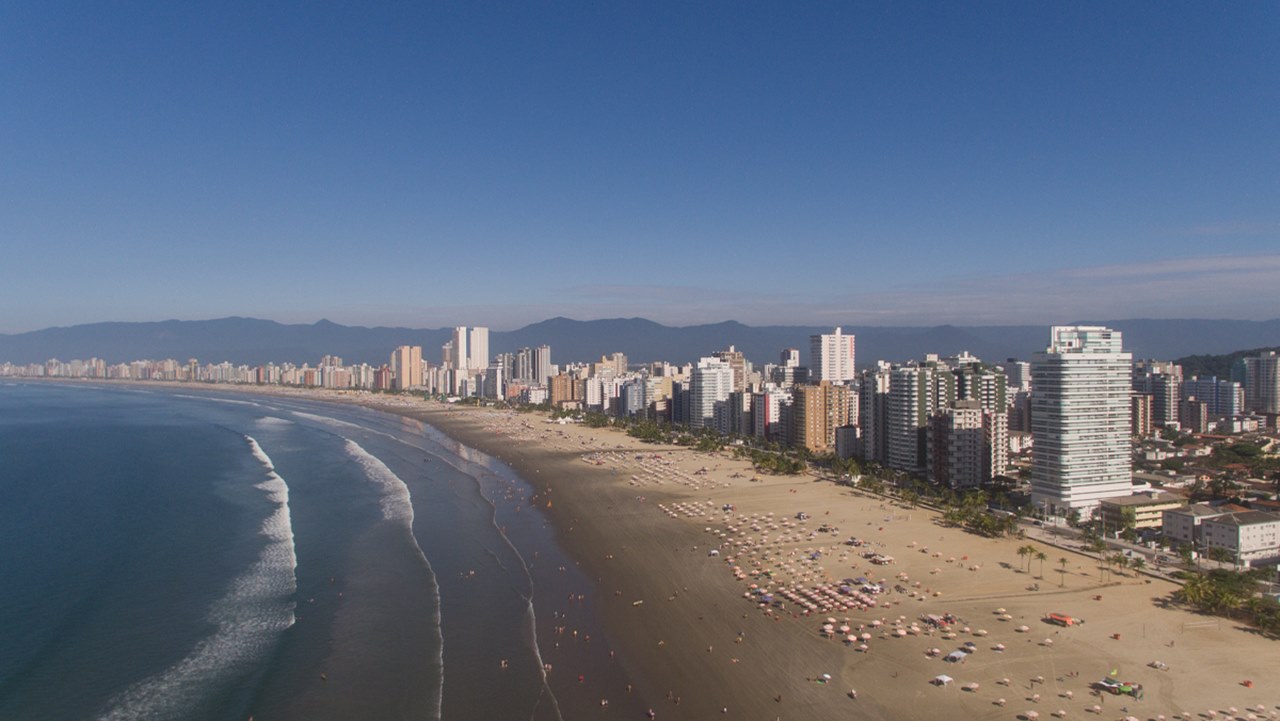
(710,382)
(478,349)
(1080,420)
(459,357)
(832,357)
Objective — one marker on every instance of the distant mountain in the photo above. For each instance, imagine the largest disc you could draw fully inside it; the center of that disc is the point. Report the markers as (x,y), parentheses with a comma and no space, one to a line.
(1216,365)
(253,341)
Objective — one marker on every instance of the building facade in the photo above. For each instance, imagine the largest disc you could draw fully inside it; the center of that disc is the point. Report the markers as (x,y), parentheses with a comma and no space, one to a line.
(1080,419)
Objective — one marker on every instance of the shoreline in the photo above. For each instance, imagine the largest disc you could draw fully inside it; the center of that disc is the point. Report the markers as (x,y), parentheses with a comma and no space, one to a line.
(640,521)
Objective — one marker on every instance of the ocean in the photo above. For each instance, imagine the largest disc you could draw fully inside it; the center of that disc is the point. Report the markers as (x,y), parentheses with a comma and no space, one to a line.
(205,555)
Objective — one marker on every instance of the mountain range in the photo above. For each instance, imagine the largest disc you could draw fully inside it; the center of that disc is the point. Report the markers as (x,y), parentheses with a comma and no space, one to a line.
(254,341)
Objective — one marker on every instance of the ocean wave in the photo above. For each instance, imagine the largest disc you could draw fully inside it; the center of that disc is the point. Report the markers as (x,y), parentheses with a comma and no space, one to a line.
(217,400)
(328,421)
(256,608)
(397,505)
(267,421)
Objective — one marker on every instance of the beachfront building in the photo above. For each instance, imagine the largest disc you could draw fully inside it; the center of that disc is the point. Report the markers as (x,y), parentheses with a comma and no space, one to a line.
(818,410)
(1184,525)
(406,367)
(710,382)
(1080,419)
(1251,537)
(873,405)
(1141,511)
(967,445)
(916,391)
(767,413)
(832,357)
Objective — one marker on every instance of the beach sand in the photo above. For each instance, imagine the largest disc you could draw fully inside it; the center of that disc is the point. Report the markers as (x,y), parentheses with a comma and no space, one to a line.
(642,521)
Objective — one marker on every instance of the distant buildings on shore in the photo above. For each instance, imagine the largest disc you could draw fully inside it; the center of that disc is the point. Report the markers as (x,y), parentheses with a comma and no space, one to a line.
(1068,419)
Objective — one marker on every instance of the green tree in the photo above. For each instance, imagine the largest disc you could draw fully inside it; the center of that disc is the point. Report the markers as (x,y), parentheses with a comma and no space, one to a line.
(1041,556)
(1062,572)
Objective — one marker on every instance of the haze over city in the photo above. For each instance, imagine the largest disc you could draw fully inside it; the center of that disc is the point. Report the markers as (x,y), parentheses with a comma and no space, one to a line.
(428,165)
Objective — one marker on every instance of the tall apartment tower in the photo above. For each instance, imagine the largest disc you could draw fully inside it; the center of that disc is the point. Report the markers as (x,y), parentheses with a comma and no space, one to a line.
(1081,420)
(406,365)
(458,355)
(873,405)
(916,391)
(541,363)
(833,357)
(818,411)
(710,382)
(477,349)
(1262,383)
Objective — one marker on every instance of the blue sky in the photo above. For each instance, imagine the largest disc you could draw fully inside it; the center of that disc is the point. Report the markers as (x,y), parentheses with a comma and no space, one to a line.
(434,164)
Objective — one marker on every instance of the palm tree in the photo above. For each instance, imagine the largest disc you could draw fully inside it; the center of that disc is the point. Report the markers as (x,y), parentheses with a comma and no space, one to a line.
(1023,552)
(1041,556)
(1062,572)
(1138,563)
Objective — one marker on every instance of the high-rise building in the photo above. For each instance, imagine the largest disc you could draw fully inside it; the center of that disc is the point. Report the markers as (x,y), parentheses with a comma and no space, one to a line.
(916,391)
(873,405)
(968,445)
(738,363)
(1262,383)
(406,367)
(1140,410)
(710,383)
(1224,399)
(477,349)
(1081,420)
(1162,380)
(818,411)
(832,357)
(459,357)
(542,363)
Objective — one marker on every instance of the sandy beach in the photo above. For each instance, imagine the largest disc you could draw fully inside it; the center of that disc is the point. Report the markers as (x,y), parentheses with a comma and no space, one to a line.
(644,520)
(684,546)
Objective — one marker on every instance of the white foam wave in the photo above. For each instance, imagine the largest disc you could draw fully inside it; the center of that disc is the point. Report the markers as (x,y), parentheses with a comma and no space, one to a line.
(397,505)
(327,420)
(256,608)
(218,400)
(268,421)
(395,500)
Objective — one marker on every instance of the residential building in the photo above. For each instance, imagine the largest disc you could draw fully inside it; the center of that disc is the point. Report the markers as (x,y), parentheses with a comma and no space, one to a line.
(1081,421)
(832,357)
(1262,383)
(816,413)
(967,445)
(1140,405)
(406,367)
(1251,537)
(873,406)
(710,382)
(1147,509)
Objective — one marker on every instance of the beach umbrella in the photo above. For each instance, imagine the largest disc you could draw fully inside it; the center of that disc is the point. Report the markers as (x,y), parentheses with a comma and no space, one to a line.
(1032,715)
(1022,629)
(862,647)
(999,647)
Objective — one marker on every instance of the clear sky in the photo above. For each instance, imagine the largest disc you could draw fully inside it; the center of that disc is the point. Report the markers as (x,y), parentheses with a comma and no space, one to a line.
(432,164)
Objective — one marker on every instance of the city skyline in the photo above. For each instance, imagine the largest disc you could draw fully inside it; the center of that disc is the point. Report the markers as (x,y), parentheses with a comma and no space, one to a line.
(822,164)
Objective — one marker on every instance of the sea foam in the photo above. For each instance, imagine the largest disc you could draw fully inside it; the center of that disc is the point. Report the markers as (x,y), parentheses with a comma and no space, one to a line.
(250,616)
(397,505)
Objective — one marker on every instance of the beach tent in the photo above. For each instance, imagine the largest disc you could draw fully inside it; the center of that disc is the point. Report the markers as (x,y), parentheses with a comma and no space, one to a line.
(956,656)
(942,679)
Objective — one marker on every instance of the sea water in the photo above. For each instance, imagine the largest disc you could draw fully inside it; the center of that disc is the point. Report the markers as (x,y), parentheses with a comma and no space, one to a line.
(194,555)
